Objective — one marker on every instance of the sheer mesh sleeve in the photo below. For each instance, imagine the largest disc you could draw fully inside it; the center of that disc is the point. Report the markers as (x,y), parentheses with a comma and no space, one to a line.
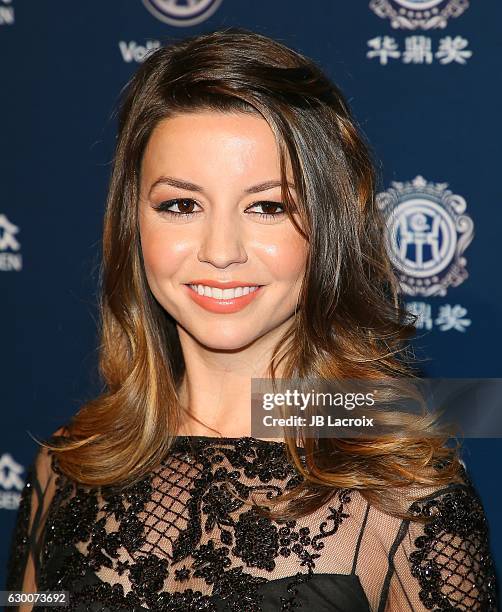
(26,540)
(446,564)
(442,565)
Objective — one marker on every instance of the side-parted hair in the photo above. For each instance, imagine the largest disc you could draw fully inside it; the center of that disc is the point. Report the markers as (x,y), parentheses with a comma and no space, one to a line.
(350,322)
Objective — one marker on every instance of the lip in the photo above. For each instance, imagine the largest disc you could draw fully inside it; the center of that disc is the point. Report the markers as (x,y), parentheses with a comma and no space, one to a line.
(223,305)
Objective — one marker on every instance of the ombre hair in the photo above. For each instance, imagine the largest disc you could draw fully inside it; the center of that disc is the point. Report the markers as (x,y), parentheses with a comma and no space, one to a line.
(350,322)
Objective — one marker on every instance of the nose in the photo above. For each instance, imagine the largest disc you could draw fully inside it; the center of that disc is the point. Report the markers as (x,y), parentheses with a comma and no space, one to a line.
(221,241)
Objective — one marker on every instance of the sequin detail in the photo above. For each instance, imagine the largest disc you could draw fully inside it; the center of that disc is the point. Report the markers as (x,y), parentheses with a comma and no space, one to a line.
(184,540)
(452,553)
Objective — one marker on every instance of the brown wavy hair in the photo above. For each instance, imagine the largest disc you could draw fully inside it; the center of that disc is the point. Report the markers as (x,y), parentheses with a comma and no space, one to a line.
(349,322)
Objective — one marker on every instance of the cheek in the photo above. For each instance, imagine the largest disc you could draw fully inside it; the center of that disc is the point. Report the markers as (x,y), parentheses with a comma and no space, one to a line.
(162,253)
(286,257)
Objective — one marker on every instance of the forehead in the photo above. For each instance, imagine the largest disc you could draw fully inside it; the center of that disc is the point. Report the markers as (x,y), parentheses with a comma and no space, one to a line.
(238,142)
(202,122)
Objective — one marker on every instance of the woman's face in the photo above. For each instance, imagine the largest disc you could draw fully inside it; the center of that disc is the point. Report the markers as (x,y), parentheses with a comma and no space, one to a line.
(209,218)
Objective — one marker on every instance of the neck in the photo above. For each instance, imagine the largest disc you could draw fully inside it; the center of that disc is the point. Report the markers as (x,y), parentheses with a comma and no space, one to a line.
(216,389)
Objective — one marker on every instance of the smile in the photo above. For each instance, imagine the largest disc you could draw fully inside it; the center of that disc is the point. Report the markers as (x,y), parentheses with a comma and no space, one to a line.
(224,301)
(215,292)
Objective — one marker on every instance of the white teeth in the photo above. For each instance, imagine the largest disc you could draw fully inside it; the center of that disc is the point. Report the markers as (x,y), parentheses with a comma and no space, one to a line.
(216,293)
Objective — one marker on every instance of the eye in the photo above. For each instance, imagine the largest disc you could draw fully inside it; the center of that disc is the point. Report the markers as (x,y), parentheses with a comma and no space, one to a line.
(185,208)
(184,205)
(268,207)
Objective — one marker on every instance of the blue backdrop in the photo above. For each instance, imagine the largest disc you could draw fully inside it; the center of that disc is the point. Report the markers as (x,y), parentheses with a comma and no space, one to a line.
(423,79)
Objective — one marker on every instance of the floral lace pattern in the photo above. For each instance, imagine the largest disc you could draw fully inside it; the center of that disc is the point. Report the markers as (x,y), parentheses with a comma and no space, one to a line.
(185,538)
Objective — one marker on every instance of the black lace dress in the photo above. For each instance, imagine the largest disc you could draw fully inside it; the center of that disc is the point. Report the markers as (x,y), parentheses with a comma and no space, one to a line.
(184,540)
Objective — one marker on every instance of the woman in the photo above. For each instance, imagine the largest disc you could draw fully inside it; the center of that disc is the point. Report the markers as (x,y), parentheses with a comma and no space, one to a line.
(242,240)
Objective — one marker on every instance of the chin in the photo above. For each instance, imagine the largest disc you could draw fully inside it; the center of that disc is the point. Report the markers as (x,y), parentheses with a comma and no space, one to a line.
(223,339)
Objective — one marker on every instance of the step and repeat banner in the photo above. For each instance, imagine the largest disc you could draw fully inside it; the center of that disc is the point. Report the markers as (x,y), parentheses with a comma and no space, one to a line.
(423,78)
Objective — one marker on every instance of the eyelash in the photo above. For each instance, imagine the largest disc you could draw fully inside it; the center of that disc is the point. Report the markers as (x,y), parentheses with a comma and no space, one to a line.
(163,208)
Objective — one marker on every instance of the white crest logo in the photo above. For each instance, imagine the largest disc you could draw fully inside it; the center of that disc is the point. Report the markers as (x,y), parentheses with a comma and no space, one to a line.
(10,473)
(418,14)
(182,14)
(427,234)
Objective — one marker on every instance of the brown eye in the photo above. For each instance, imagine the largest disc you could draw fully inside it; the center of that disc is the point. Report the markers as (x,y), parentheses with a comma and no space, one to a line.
(185,207)
(269,209)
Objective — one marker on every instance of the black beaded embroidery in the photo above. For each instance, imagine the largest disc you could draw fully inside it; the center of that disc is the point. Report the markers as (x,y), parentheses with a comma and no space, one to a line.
(183,540)
(452,553)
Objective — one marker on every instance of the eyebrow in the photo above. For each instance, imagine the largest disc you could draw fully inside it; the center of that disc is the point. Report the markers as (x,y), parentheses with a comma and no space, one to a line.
(169,180)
